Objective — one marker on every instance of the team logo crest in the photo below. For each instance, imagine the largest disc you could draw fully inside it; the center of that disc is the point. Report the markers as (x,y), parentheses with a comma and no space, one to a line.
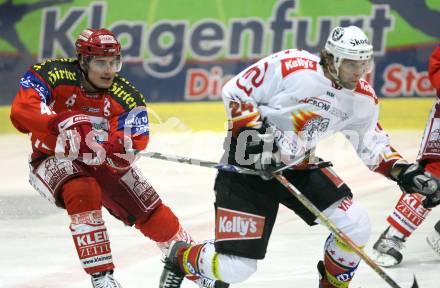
(309,124)
(338,33)
(433,144)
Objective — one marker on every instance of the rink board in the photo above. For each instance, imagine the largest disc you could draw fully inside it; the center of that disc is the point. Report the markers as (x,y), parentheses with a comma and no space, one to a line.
(402,113)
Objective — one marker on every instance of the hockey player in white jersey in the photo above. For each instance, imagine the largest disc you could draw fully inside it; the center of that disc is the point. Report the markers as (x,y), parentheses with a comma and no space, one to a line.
(411,209)
(297,99)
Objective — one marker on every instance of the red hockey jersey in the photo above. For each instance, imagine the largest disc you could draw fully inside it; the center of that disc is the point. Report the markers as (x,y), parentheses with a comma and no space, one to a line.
(434,68)
(55,85)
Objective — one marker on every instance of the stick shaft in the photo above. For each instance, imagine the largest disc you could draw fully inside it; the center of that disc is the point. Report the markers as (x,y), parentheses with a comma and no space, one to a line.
(198,162)
(221,166)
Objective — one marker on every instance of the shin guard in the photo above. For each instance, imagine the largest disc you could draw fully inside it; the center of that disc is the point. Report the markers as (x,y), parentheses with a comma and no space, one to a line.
(91,241)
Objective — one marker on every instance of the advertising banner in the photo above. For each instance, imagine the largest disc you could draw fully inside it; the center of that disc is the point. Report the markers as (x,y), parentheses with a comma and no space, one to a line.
(185,50)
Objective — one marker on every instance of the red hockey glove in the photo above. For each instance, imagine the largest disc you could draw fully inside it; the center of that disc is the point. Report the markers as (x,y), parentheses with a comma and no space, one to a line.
(72,128)
(119,151)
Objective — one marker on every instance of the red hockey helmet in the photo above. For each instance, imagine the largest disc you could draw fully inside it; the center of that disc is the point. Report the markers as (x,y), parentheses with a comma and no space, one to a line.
(97,42)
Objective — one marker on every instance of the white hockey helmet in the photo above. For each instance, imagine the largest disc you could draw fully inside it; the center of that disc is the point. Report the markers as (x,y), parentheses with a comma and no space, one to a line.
(348,43)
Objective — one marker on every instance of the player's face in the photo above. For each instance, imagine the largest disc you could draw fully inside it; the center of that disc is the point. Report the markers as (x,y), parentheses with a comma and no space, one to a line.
(102,70)
(351,71)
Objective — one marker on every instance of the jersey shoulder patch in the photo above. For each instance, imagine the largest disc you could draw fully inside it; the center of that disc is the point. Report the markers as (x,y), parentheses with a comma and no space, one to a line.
(126,94)
(364,88)
(63,71)
(293,64)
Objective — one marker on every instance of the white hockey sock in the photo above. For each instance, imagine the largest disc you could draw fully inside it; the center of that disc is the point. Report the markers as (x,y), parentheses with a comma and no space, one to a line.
(202,260)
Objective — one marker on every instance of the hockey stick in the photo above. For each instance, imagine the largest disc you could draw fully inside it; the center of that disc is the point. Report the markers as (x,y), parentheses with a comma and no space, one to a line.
(198,162)
(338,232)
(221,166)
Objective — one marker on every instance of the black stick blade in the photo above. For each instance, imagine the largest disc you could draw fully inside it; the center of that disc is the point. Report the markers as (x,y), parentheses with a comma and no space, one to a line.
(415,285)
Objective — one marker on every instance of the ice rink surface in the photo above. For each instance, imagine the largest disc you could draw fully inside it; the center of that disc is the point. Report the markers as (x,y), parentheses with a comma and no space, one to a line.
(36,249)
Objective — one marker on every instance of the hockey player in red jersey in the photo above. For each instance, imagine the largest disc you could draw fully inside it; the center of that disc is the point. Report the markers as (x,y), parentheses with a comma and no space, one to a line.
(86,123)
(411,209)
(295,98)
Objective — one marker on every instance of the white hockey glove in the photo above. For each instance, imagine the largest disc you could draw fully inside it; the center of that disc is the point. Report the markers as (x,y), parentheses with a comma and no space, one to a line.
(412,178)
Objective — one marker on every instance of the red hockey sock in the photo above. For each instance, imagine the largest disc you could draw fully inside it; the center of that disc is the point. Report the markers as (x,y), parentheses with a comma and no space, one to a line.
(408,214)
(434,168)
(188,259)
(161,225)
(82,198)
(81,194)
(91,241)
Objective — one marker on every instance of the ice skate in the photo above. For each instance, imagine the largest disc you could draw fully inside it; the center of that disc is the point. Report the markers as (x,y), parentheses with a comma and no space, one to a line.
(172,276)
(204,282)
(104,280)
(434,238)
(387,251)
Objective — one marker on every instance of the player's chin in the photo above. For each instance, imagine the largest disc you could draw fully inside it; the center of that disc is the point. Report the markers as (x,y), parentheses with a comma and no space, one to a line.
(349,85)
(105,83)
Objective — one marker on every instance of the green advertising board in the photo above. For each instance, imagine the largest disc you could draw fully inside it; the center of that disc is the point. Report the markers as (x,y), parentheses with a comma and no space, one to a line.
(185,50)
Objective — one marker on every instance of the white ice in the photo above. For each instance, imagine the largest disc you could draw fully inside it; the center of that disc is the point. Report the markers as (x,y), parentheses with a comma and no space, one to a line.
(36,249)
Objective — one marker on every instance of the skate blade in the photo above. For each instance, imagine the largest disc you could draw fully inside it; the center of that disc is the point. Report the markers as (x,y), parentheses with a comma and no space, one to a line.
(384,260)
(434,243)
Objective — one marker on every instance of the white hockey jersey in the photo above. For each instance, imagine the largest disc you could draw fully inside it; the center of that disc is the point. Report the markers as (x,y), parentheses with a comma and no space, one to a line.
(290,91)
